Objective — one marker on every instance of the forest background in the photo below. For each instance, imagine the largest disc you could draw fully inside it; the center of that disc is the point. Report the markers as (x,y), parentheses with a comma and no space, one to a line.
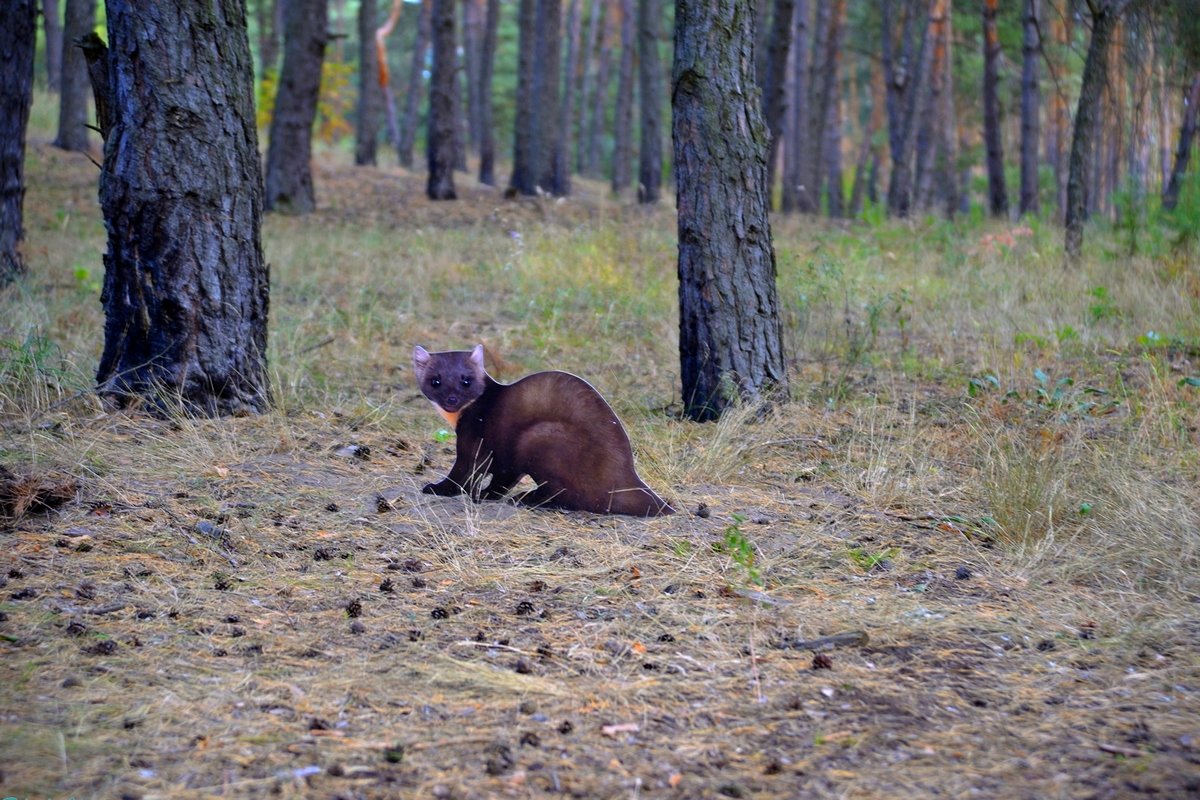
(982,486)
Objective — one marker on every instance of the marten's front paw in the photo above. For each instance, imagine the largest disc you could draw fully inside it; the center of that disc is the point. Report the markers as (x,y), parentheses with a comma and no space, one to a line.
(442,489)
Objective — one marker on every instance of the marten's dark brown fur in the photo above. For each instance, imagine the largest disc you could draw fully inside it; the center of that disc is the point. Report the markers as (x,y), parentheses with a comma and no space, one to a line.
(551,426)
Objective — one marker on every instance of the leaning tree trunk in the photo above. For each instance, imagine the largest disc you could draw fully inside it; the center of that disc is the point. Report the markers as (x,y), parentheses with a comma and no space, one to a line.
(650,82)
(18,36)
(289,153)
(730,346)
(54,44)
(1030,102)
(1087,122)
(443,96)
(997,191)
(185,285)
(487,66)
(78,21)
(623,123)
(370,91)
(1183,152)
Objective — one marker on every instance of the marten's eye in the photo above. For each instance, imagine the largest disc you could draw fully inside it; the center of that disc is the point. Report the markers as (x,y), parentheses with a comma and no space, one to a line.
(435,382)
(466,381)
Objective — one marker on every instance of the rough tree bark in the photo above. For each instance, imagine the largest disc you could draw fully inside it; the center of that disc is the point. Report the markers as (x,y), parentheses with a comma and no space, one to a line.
(416,80)
(623,122)
(997,190)
(487,66)
(370,89)
(185,285)
(730,346)
(1030,104)
(78,21)
(1187,131)
(289,153)
(775,83)
(52,29)
(18,37)
(443,97)
(1105,15)
(650,86)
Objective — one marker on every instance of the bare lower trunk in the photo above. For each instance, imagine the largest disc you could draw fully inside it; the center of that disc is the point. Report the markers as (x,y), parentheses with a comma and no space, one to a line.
(18,36)
(623,123)
(54,44)
(650,80)
(369,93)
(774,83)
(443,101)
(416,82)
(487,64)
(78,21)
(997,191)
(1030,103)
(1170,196)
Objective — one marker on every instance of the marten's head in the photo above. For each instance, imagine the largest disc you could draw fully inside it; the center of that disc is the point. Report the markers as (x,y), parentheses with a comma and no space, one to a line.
(452,380)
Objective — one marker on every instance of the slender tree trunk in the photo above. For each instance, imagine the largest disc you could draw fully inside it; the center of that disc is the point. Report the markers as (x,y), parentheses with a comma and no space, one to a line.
(547,77)
(946,168)
(562,143)
(18,38)
(1087,118)
(369,94)
(185,284)
(868,157)
(775,83)
(1183,152)
(623,123)
(443,96)
(473,22)
(487,65)
(908,88)
(1062,115)
(997,191)
(797,196)
(586,84)
(524,169)
(650,75)
(730,343)
(1164,128)
(289,152)
(818,110)
(831,134)
(596,124)
(416,81)
(384,75)
(270,35)
(54,44)
(79,20)
(1030,103)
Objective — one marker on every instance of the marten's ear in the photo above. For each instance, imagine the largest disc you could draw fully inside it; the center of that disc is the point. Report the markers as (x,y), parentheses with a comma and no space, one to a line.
(420,361)
(477,357)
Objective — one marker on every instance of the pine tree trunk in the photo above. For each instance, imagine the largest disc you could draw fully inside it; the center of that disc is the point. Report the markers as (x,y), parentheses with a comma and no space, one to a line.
(18,38)
(796,194)
(289,183)
(730,344)
(270,25)
(369,93)
(547,77)
(472,37)
(586,83)
(775,83)
(1087,123)
(997,191)
(1030,103)
(54,44)
(831,133)
(566,116)
(1062,116)
(650,85)
(79,19)
(443,96)
(623,123)
(907,86)
(185,285)
(416,81)
(487,65)
(596,121)
(1183,152)
(946,166)
(524,169)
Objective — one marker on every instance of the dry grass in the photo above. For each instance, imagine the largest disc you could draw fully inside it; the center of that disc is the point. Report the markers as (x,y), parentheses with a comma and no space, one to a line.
(242,607)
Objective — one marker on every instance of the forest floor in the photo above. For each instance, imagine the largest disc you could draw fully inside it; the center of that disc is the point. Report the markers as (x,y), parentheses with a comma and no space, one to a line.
(269,605)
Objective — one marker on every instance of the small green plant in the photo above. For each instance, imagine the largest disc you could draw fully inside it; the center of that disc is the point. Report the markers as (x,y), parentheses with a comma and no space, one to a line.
(1103,307)
(867,561)
(738,547)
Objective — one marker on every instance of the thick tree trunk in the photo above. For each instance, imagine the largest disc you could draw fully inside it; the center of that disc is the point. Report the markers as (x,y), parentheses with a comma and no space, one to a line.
(289,152)
(775,83)
(586,82)
(797,196)
(370,94)
(547,76)
(443,96)
(524,169)
(487,65)
(1183,152)
(416,81)
(1087,119)
(730,344)
(1030,104)
(18,38)
(650,84)
(52,29)
(997,190)
(78,21)
(185,285)
(623,122)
